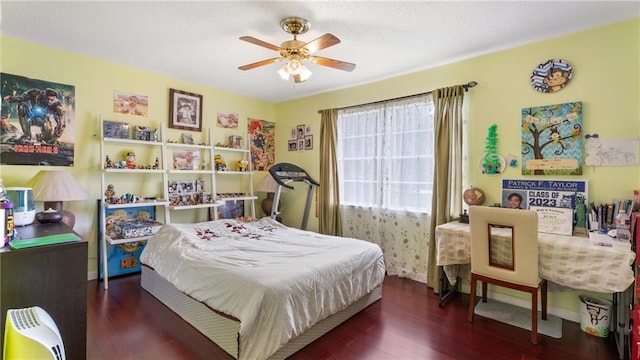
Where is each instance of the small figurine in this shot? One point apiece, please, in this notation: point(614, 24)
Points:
point(131, 160)
point(242, 165)
point(108, 164)
point(221, 165)
point(109, 194)
point(156, 166)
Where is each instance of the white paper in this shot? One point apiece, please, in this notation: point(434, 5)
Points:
point(554, 220)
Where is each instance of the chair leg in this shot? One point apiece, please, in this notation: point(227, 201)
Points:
point(543, 292)
point(472, 297)
point(534, 317)
point(484, 291)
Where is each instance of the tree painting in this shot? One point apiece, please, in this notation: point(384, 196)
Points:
point(552, 139)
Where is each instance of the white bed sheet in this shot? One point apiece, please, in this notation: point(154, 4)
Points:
point(277, 281)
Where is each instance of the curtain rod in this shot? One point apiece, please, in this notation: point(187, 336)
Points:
point(466, 87)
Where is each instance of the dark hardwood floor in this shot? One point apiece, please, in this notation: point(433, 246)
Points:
point(125, 322)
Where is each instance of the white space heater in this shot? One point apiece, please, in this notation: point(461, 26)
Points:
point(30, 333)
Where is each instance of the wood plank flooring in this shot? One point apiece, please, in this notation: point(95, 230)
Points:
point(126, 322)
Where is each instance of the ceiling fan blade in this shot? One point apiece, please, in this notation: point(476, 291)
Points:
point(322, 42)
point(342, 65)
point(258, 42)
point(260, 63)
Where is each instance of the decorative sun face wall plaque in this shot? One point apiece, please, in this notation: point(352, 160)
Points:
point(551, 76)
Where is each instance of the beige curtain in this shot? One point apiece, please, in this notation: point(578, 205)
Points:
point(330, 221)
point(447, 177)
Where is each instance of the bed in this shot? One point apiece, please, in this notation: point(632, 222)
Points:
point(260, 290)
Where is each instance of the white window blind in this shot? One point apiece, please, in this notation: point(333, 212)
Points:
point(385, 154)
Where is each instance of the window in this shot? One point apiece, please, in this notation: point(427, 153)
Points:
point(385, 154)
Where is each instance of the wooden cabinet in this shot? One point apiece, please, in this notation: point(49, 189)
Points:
point(53, 277)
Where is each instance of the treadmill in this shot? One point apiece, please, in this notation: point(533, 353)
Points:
point(285, 173)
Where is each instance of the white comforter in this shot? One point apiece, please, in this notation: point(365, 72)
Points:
point(277, 281)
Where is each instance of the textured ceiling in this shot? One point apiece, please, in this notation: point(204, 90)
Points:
point(197, 41)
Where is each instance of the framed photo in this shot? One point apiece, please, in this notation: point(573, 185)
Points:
point(185, 110)
point(293, 145)
point(300, 144)
point(308, 130)
point(308, 142)
point(187, 139)
point(115, 129)
point(186, 160)
point(133, 104)
point(300, 130)
point(227, 120)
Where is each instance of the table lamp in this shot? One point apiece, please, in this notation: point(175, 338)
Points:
point(269, 186)
point(53, 187)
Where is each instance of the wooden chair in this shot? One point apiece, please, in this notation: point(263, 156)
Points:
point(510, 259)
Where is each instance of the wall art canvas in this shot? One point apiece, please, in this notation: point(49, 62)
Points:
point(130, 104)
point(552, 139)
point(262, 143)
point(227, 120)
point(38, 122)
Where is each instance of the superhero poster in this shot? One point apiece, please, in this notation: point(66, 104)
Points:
point(262, 136)
point(37, 125)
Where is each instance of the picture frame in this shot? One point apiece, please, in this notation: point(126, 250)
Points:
point(185, 110)
point(227, 120)
point(187, 139)
point(130, 104)
point(293, 145)
point(300, 144)
point(300, 130)
point(308, 142)
point(186, 160)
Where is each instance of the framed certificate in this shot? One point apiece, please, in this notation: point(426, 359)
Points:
point(553, 220)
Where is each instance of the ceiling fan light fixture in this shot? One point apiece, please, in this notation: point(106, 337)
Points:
point(294, 67)
point(283, 73)
point(305, 73)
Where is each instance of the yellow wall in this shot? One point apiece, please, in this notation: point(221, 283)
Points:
point(95, 82)
point(606, 79)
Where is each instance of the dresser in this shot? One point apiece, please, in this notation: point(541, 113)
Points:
point(53, 277)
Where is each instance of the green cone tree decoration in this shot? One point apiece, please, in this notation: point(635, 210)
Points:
point(491, 160)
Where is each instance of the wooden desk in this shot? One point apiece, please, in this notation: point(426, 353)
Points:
point(53, 277)
point(565, 260)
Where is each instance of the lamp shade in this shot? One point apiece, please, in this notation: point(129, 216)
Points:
point(56, 185)
point(267, 184)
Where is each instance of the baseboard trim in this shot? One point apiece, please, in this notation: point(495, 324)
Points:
point(92, 275)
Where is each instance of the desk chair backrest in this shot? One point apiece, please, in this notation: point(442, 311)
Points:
point(518, 228)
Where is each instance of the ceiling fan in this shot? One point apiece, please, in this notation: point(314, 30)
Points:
point(294, 51)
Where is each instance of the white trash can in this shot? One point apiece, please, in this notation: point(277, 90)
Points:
point(595, 315)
